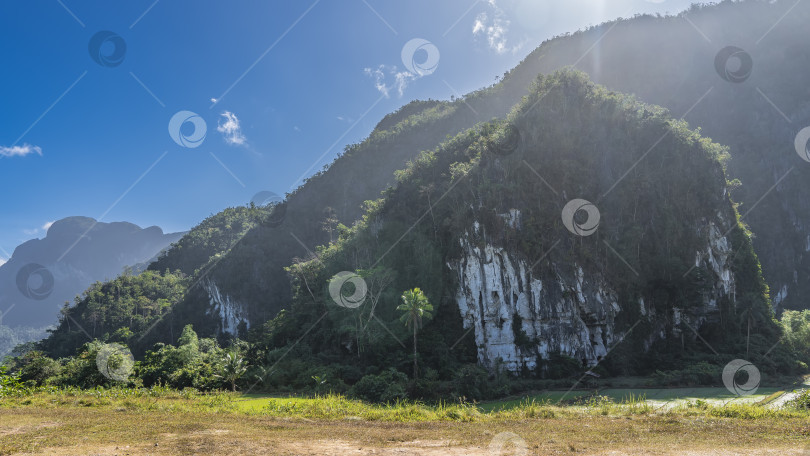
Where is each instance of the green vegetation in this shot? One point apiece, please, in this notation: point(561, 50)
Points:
point(214, 236)
point(316, 346)
point(121, 310)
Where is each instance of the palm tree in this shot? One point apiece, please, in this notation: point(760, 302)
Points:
point(750, 315)
point(233, 368)
point(417, 308)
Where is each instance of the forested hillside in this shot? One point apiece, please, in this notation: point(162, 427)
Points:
point(247, 283)
point(490, 205)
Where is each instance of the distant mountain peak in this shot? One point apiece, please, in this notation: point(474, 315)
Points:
point(75, 252)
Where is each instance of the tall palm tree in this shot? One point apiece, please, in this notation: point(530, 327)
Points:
point(417, 309)
point(233, 368)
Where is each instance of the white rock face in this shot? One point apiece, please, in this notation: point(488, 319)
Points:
point(777, 300)
point(572, 316)
point(570, 313)
point(717, 254)
point(228, 311)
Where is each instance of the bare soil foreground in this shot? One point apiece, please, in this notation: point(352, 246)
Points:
point(76, 430)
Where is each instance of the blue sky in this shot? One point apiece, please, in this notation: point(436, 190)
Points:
point(281, 86)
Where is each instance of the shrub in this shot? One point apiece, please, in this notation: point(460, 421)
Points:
point(388, 386)
point(800, 402)
point(36, 367)
point(702, 373)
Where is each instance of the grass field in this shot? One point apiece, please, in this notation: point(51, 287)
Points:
point(162, 422)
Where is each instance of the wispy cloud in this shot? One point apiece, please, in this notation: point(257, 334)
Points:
point(3, 261)
point(37, 231)
point(19, 151)
point(399, 80)
point(495, 27)
point(231, 129)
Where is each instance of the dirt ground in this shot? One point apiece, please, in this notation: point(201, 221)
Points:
point(77, 431)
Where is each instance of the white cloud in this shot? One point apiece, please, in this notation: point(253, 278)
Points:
point(231, 129)
point(495, 28)
point(3, 261)
point(400, 81)
point(19, 151)
point(37, 231)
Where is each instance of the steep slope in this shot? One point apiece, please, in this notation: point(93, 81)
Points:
point(678, 62)
point(500, 251)
point(42, 274)
point(249, 284)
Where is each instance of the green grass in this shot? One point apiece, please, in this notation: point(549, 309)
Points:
point(715, 402)
point(656, 397)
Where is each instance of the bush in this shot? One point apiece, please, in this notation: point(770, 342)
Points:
point(560, 366)
point(35, 367)
point(473, 382)
point(800, 402)
point(10, 384)
point(388, 386)
point(702, 373)
point(82, 370)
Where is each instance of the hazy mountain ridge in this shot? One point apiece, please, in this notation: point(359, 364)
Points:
point(42, 274)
